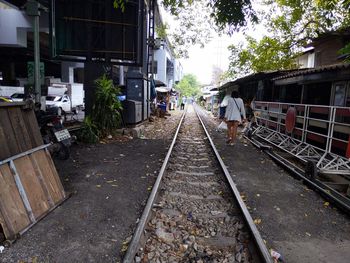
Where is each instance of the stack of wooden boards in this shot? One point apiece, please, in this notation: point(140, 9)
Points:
point(29, 184)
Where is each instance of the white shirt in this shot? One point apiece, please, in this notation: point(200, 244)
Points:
point(233, 113)
point(224, 101)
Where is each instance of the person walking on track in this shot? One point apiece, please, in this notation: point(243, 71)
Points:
point(235, 114)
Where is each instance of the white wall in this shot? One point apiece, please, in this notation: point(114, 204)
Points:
point(9, 90)
point(160, 57)
point(14, 25)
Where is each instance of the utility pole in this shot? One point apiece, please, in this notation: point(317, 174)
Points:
point(32, 9)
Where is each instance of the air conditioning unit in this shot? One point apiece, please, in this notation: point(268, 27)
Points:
point(132, 112)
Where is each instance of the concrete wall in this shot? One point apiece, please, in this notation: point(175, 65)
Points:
point(160, 58)
point(14, 25)
point(67, 70)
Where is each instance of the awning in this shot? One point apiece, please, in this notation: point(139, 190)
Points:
point(159, 83)
point(163, 89)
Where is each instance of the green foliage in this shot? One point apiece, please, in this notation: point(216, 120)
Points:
point(264, 55)
point(106, 109)
point(232, 14)
point(227, 14)
point(105, 117)
point(89, 132)
point(291, 25)
point(162, 30)
point(198, 19)
point(120, 4)
point(188, 86)
point(346, 51)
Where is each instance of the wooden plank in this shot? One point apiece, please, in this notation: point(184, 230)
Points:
point(32, 128)
point(4, 229)
point(19, 129)
point(15, 217)
point(56, 177)
point(4, 150)
point(46, 176)
point(32, 186)
point(11, 104)
point(8, 134)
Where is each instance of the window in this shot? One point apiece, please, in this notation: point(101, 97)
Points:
point(339, 94)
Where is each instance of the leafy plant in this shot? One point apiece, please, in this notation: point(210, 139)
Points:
point(161, 30)
point(106, 110)
point(89, 133)
point(346, 51)
point(188, 86)
point(120, 4)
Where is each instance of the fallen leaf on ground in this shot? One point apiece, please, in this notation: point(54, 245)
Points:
point(308, 234)
point(98, 185)
point(257, 221)
point(326, 204)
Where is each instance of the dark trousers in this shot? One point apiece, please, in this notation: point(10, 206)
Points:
point(182, 107)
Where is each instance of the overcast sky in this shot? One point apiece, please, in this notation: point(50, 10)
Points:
point(202, 60)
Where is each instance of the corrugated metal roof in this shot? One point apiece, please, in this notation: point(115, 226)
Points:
point(314, 70)
point(254, 76)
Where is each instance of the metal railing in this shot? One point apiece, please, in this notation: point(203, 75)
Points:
point(321, 133)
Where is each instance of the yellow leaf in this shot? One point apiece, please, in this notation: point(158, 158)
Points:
point(98, 185)
point(257, 221)
point(326, 204)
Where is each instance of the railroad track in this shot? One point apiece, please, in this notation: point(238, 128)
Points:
point(296, 168)
point(194, 212)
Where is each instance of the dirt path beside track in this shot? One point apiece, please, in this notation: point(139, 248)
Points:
point(295, 220)
point(110, 182)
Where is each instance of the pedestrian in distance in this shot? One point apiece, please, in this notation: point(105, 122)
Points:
point(234, 115)
point(182, 107)
point(183, 101)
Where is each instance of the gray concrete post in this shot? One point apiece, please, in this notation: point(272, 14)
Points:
point(32, 9)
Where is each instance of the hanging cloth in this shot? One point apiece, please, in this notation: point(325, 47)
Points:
point(153, 89)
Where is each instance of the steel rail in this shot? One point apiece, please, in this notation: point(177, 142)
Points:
point(264, 253)
point(134, 244)
point(329, 193)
